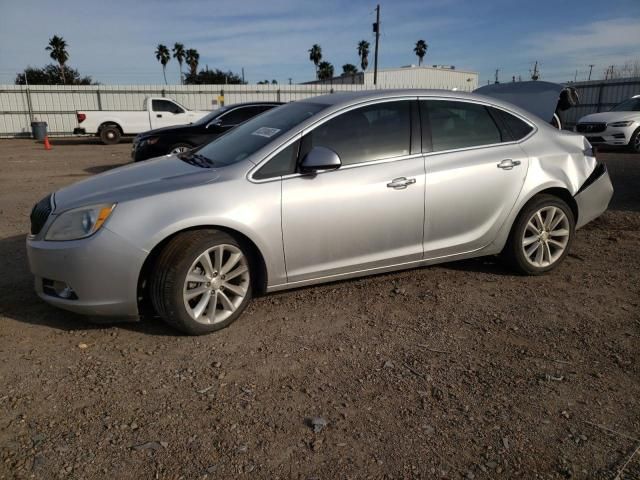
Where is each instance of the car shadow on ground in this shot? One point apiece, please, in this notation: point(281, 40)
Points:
point(102, 168)
point(18, 300)
point(81, 141)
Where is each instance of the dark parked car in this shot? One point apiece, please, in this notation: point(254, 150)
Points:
point(178, 139)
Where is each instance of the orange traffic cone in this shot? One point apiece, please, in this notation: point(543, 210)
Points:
point(47, 145)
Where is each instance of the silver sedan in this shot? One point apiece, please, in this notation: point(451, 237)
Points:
point(330, 188)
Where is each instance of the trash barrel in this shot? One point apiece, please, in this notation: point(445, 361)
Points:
point(39, 130)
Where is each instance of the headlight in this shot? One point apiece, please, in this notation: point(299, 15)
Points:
point(621, 124)
point(79, 222)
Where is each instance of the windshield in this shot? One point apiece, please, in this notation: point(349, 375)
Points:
point(631, 105)
point(207, 118)
point(254, 134)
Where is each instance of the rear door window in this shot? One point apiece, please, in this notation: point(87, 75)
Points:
point(455, 124)
point(241, 115)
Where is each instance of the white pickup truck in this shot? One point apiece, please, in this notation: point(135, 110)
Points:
point(157, 112)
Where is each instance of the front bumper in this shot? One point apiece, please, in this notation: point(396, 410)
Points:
point(143, 151)
point(102, 270)
point(612, 136)
point(594, 196)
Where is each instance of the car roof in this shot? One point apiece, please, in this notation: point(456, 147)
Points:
point(338, 100)
point(249, 104)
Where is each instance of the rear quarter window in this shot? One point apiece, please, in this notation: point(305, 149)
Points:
point(515, 127)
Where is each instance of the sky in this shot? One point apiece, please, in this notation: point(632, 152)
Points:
point(114, 41)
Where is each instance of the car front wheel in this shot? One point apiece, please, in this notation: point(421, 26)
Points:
point(541, 236)
point(201, 281)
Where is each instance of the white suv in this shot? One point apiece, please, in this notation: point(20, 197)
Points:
point(618, 127)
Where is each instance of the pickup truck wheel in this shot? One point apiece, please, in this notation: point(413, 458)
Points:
point(179, 148)
point(201, 281)
point(110, 134)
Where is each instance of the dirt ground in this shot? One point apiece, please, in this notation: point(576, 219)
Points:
point(457, 371)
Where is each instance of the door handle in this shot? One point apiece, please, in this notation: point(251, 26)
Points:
point(159, 115)
point(508, 164)
point(401, 183)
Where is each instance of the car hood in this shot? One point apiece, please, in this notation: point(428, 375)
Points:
point(133, 181)
point(608, 117)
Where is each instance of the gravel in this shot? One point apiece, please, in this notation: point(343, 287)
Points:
point(461, 370)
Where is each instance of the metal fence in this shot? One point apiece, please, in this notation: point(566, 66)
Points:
point(599, 96)
point(57, 105)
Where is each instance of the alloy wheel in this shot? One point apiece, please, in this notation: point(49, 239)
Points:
point(546, 236)
point(217, 284)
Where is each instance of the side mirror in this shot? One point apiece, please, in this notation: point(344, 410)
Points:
point(215, 123)
point(320, 159)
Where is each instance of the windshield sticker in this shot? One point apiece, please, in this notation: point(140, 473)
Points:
point(266, 132)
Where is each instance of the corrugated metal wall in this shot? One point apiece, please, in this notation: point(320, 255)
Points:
point(599, 96)
point(57, 105)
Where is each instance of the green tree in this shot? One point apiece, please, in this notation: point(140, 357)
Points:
point(58, 51)
point(363, 53)
point(52, 75)
point(315, 55)
point(213, 77)
point(163, 56)
point(192, 57)
point(325, 71)
point(349, 69)
point(420, 50)
point(179, 54)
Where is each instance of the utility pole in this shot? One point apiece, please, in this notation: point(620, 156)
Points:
point(376, 30)
point(535, 75)
point(289, 80)
point(242, 74)
point(575, 77)
point(497, 81)
point(590, 70)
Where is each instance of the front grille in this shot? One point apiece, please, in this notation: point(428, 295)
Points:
point(39, 214)
point(591, 127)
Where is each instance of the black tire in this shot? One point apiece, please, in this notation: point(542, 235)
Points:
point(514, 252)
point(179, 145)
point(169, 275)
point(110, 134)
point(634, 144)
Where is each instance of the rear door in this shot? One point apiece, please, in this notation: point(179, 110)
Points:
point(475, 172)
point(369, 213)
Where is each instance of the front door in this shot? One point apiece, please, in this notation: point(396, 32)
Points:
point(368, 213)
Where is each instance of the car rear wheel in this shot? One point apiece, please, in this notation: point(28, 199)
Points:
point(179, 148)
point(110, 134)
point(541, 236)
point(201, 281)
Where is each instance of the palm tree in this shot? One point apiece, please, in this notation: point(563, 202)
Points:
point(192, 56)
point(179, 54)
point(349, 69)
point(363, 53)
point(58, 48)
point(163, 56)
point(420, 50)
point(315, 55)
point(325, 71)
